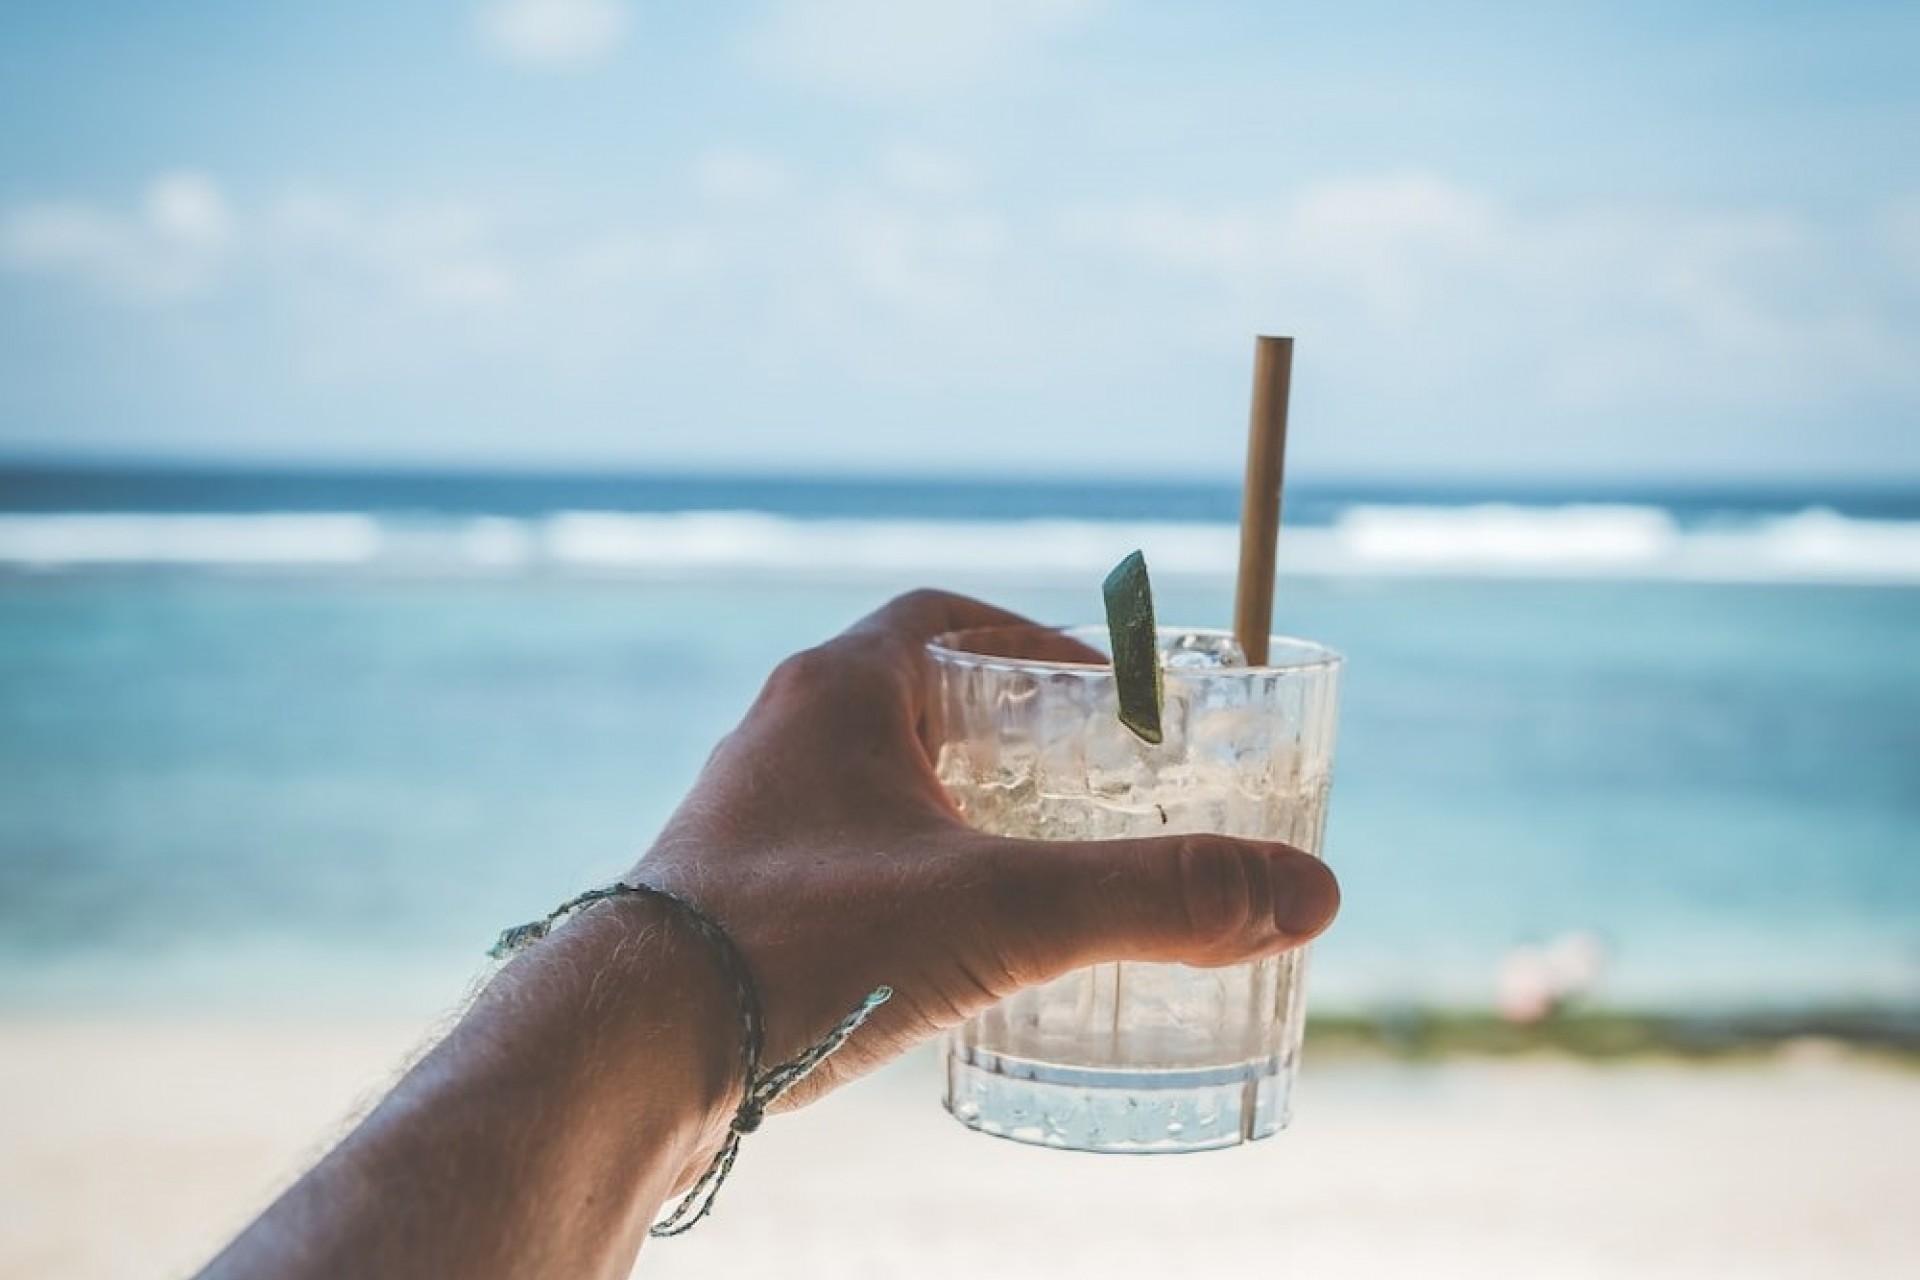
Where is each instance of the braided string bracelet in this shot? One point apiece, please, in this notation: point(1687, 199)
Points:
point(762, 1088)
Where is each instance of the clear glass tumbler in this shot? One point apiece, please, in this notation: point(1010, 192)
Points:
point(1135, 1057)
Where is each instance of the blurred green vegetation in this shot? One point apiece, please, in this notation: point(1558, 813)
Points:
point(1412, 1034)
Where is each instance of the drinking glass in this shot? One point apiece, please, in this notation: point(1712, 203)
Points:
point(1135, 1057)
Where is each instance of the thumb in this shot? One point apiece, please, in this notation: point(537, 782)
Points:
point(1197, 899)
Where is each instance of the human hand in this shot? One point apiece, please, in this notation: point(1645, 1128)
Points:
point(529, 1142)
point(820, 837)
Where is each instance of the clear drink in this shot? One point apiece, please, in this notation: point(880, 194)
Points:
point(1136, 1057)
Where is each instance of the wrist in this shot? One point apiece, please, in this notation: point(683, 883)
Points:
point(671, 1003)
point(649, 1026)
point(704, 1101)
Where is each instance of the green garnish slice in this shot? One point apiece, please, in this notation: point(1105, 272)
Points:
point(1136, 647)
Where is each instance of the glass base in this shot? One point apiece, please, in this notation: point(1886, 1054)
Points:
point(1113, 1111)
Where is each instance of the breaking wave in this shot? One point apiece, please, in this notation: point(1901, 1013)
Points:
point(1489, 540)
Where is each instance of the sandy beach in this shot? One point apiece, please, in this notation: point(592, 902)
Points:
point(130, 1147)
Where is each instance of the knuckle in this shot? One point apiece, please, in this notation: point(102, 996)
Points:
point(803, 672)
point(920, 601)
point(915, 616)
point(835, 672)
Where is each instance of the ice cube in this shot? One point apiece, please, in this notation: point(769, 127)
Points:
point(1195, 651)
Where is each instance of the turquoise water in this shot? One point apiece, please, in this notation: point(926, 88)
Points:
point(330, 789)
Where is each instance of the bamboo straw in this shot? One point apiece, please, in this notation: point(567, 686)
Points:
point(1260, 502)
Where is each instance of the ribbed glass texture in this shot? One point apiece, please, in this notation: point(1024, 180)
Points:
point(1136, 1057)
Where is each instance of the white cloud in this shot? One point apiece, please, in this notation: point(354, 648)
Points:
point(552, 33)
point(188, 209)
point(172, 248)
point(445, 257)
point(352, 294)
point(1898, 230)
point(1372, 238)
point(58, 237)
point(1422, 304)
point(731, 174)
point(906, 47)
point(924, 171)
point(913, 261)
point(1439, 293)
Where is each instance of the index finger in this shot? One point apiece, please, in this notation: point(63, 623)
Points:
point(927, 615)
point(896, 635)
point(919, 616)
point(903, 628)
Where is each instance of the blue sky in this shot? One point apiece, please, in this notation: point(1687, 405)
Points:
point(1009, 235)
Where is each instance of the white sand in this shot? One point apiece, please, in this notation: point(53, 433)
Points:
point(130, 1148)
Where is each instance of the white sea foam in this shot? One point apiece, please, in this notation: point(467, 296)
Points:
point(1627, 542)
point(701, 543)
point(1500, 538)
point(1815, 545)
point(1576, 541)
point(62, 541)
point(491, 542)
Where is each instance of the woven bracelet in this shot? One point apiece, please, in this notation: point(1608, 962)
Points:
point(762, 1088)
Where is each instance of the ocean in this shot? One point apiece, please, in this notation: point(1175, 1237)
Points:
point(308, 739)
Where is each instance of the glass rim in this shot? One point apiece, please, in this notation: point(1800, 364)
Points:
point(1314, 656)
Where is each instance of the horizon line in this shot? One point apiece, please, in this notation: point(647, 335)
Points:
point(535, 469)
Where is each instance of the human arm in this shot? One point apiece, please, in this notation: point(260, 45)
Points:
point(594, 1076)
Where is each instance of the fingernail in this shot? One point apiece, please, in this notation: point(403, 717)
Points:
point(1307, 898)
